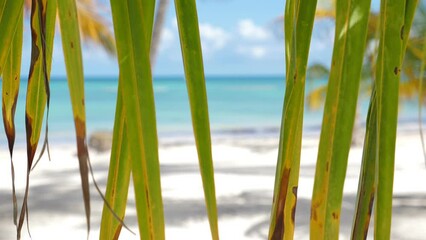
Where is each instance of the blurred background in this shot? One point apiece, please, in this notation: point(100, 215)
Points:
point(243, 54)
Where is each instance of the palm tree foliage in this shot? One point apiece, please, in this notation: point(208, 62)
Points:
point(135, 147)
point(410, 78)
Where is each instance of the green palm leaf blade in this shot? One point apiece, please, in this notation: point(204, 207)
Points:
point(367, 184)
point(70, 35)
point(393, 36)
point(11, 80)
point(2, 6)
point(298, 24)
point(43, 16)
point(118, 176)
point(10, 12)
point(339, 115)
point(120, 161)
point(10, 90)
point(186, 12)
point(131, 35)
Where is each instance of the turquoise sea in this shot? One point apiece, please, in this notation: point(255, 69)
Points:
point(239, 106)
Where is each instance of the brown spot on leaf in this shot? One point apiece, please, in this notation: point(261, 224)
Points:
point(279, 226)
point(314, 209)
point(327, 166)
point(396, 70)
point(9, 127)
point(72, 45)
point(370, 210)
point(314, 214)
point(335, 215)
point(31, 148)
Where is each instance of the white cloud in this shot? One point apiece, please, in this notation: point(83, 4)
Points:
point(250, 31)
point(213, 38)
point(167, 39)
point(256, 52)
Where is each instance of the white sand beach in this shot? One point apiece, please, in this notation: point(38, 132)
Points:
point(245, 170)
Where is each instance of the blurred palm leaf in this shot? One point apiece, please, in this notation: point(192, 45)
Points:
point(94, 27)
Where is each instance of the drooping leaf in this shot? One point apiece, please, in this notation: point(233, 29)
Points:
point(43, 16)
point(339, 116)
point(395, 21)
point(10, 90)
point(298, 24)
point(10, 12)
point(132, 31)
point(187, 20)
point(70, 35)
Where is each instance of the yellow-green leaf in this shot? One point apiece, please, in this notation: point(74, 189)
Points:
point(298, 24)
point(394, 28)
point(187, 20)
point(70, 35)
point(10, 90)
point(10, 12)
point(339, 115)
point(118, 176)
point(43, 16)
point(132, 41)
point(120, 161)
point(367, 180)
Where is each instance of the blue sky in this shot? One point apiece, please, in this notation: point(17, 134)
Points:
point(239, 37)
